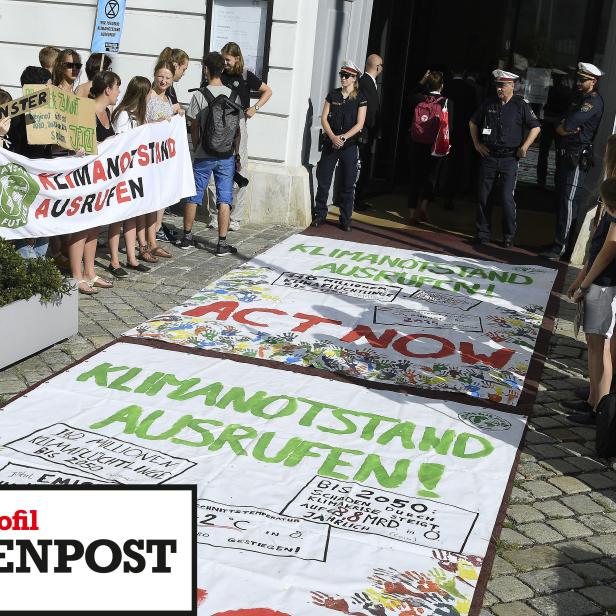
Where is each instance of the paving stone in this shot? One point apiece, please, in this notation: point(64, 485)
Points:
point(533, 437)
point(533, 470)
point(570, 528)
point(579, 551)
point(536, 557)
point(489, 599)
point(544, 452)
point(607, 499)
point(565, 604)
point(598, 481)
point(509, 588)
point(552, 580)
point(519, 496)
point(582, 503)
point(510, 537)
point(524, 513)
point(514, 609)
point(569, 485)
point(563, 434)
point(559, 466)
point(577, 449)
point(554, 508)
point(603, 595)
point(540, 532)
point(501, 567)
point(605, 543)
point(599, 523)
point(545, 422)
point(593, 572)
point(541, 489)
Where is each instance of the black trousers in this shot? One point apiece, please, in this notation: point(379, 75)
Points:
point(571, 195)
point(365, 162)
point(423, 173)
point(348, 161)
point(505, 170)
point(546, 138)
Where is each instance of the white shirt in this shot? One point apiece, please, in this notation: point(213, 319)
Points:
point(373, 79)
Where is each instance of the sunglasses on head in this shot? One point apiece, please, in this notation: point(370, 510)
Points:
point(344, 75)
point(73, 65)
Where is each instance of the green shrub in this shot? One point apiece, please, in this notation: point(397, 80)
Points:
point(23, 278)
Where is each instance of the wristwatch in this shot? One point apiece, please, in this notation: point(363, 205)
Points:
point(256, 106)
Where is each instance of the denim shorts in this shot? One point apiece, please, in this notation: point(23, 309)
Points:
point(32, 248)
point(223, 170)
point(599, 307)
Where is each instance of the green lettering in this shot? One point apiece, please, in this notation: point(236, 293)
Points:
point(119, 382)
point(372, 466)
point(441, 445)
point(129, 416)
point(259, 450)
point(100, 373)
point(333, 460)
point(232, 435)
point(459, 449)
point(210, 393)
point(258, 410)
point(349, 426)
point(207, 438)
point(404, 431)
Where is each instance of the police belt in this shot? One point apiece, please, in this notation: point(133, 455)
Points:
point(500, 152)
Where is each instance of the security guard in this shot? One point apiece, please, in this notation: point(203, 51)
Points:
point(574, 156)
point(497, 129)
point(343, 117)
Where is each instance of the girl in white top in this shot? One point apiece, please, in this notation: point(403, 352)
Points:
point(129, 114)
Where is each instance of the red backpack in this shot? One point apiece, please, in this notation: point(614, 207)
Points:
point(427, 120)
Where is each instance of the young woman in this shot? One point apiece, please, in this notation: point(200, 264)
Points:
point(342, 119)
point(159, 108)
point(178, 58)
point(82, 245)
point(94, 64)
point(66, 70)
point(243, 82)
point(129, 114)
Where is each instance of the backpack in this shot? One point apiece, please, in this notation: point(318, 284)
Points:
point(442, 145)
point(606, 426)
point(221, 124)
point(427, 120)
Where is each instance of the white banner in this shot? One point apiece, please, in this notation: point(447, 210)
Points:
point(373, 312)
point(313, 495)
point(140, 171)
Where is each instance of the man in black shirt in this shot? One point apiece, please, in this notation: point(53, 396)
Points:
point(497, 130)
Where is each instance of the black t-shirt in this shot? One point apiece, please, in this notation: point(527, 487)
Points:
point(343, 112)
point(102, 132)
point(18, 137)
point(607, 278)
point(242, 86)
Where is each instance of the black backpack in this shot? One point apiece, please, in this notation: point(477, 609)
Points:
point(221, 124)
point(606, 426)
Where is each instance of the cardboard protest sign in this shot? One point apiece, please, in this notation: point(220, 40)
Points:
point(140, 171)
point(314, 495)
point(25, 104)
point(372, 312)
point(67, 120)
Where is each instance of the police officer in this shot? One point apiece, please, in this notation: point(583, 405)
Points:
point(574, 136)
point(343, 117)
point(497, 130)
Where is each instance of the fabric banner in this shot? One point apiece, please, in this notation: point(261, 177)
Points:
point(108, 26)
point(140, 171)
point(378, 313)
point(314, 495)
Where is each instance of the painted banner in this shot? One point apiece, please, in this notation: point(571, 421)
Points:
point(140, 171)
point(108, 26)
point(372, 312)
point(66, 120)
point(314, 496)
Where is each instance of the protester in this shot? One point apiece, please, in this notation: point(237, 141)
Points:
point(243, 81)
point(66, 70)
point(342, 119)
point(159, 108)
point(426, 106)
point(47, 57)
point(497, 129)
point(574, 157)
point(207, 162)
point(5, 123)
point(178, 58)
point(595, 285)
point(82, 244)
point(369, 135)
point(129, 114)
point(96, 63)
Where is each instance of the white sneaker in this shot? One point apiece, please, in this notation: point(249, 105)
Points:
point(234, 225)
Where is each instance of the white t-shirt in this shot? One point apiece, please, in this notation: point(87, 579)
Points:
point(198, 111)
point(124, 122)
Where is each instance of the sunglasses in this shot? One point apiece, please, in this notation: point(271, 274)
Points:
point(344, 75)
point(583, 79)
point(73, 65)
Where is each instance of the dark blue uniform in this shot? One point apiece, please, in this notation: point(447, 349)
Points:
point(342, 117)
point(573, 157)
point(501, 129)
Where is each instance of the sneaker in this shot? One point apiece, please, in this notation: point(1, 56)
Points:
point(187, 242)
point(584, 419)
point(222, 250)
point(576, 406)
point(160, 236)
point(234, 226)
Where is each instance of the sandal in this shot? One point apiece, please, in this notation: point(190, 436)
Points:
point(140, 267)
point(84, 286)
point(97, 281)
point(160, 252)
point(146, 255)
point(117, 272)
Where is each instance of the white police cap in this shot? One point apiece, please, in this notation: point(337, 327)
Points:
point(586, 69)
point(500, 75)
point(351, 67)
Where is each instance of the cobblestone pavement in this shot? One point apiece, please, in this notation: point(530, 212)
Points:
point(556, 555)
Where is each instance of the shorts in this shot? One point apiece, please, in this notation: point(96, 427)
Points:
point(32, 248)
point(599, 307)
point(223, 170)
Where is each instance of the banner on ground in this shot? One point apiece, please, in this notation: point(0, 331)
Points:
point(370, 502)
point(372, 312)
point(140, 171)
point(108, 26)
point(66, 120)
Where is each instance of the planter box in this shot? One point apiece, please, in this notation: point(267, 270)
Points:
point(28, 326)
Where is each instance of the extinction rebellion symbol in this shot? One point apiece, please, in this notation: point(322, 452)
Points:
point(17, 192)
point(484, 421)
point(112, 8)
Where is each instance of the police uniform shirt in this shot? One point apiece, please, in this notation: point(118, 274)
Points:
point(585, 114)
point(503, 125)
point(343, 111)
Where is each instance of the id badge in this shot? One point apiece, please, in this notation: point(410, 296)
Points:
point(486, 131)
